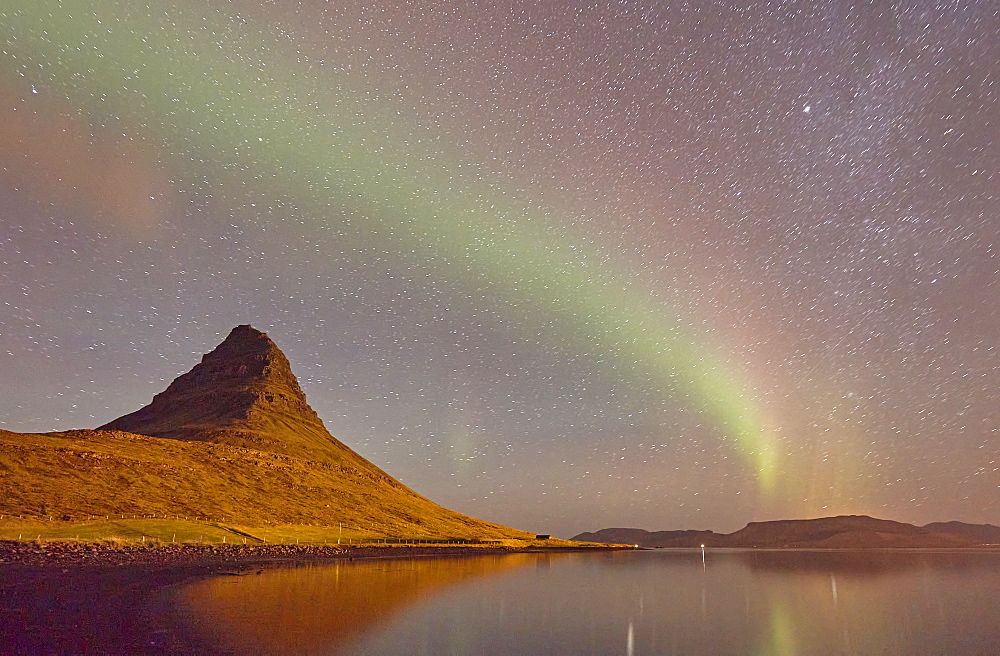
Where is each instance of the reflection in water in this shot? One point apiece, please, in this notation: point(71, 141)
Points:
point(665, 602)
point(864, 563)
point(322, 608)
point(656, 602)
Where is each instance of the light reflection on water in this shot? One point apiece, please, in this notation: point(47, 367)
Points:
point(654, 602)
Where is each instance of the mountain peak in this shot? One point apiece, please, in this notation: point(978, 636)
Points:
point(246, 336)
point(247, 358)
point(247, 340)
point(243, 393)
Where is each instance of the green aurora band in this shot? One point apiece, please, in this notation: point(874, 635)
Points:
point(212, 86)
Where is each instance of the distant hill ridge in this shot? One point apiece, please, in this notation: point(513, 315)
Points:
point(843, 531)
point(233, 437)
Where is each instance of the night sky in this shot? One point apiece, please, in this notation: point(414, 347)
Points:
point(559, 265)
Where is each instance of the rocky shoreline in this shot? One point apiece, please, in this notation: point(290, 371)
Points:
point(71, 553)
point(66, 553)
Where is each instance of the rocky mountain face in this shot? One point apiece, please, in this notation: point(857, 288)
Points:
point(241, 394)
point(845, 531)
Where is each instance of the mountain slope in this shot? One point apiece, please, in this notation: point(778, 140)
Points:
point(82, 473)
point(985, 533)
point(233, 438)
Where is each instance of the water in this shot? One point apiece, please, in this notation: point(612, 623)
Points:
point(630, 603)
point(633, 603)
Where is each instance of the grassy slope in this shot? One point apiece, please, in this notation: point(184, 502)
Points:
point(178, 530)
point(107, 473)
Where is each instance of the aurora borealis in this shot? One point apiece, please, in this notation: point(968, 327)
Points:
point(667, 265)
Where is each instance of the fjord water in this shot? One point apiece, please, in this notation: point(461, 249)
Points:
point(646, 602)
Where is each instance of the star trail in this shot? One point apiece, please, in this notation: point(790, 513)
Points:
point(561, 266)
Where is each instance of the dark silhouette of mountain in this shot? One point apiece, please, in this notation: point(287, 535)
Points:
point(235, 438)
point(645, 538)
point(983, 533)
point(842, 532)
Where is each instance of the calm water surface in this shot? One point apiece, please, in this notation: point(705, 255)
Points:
point(633, 603)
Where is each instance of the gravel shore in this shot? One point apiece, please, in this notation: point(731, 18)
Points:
point(70, 553)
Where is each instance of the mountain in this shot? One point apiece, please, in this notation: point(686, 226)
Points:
point(841, 532)
point(845, 531)
point(984, 533)
point(652, 539)
point(233, 438)
point(242, 394)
